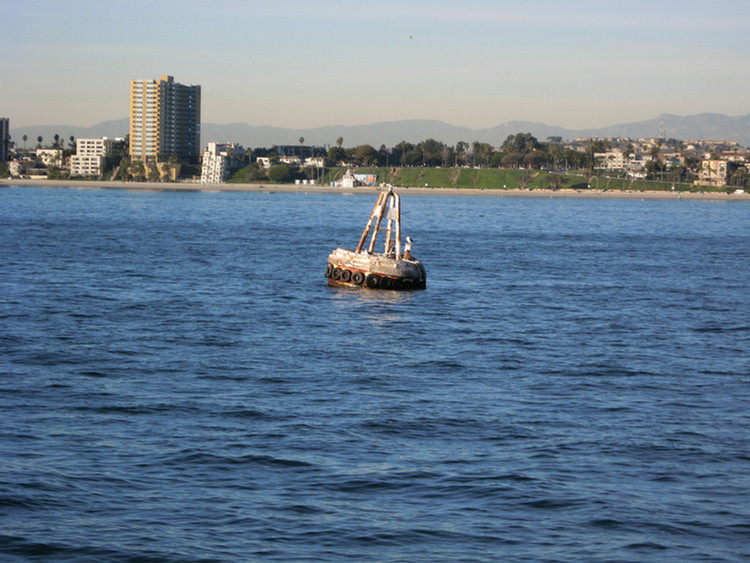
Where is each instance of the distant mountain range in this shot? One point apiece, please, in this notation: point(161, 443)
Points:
point(705, 126)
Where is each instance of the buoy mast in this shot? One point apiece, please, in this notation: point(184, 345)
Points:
point(392, 201)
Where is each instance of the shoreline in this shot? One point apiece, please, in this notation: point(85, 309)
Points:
point(308, 188)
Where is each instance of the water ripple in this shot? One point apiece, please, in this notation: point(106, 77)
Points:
point(180, 385)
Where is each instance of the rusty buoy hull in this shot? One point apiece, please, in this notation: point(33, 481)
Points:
point(374, 271)
point(395, 268)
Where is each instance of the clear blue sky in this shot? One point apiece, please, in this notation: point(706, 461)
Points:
point(306, 63)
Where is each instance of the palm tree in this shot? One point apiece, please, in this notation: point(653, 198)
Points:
point(461, 147)
point(25, 138)
point(173, 161)
point(475, 146)
point(39, 140)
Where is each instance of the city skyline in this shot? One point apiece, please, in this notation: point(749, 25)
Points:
point(474, 64)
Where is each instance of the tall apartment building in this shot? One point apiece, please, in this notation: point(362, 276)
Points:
point(4, 138)
point(165, 119)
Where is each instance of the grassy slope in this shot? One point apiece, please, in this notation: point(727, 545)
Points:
point(511, 179)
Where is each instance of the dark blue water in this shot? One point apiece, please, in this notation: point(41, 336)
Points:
point(178, 383)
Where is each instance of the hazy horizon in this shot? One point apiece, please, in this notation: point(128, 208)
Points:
point(334, 125)
point(477, 64)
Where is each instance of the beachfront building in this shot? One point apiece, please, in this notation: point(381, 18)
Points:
point(90, 156)
point(50, 157)
point(713, 172)
point(616, 160)
point(635, 165)
point(219, 159)
point(17, 168)
point(86, 165)
point(291, 160)
point(349, 180)
point(165, 120)
point(315, 162)
point(264, 162)
point(610, 160)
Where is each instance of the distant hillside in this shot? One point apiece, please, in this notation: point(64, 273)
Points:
point(706, 126)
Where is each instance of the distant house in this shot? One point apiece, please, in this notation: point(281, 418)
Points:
point(50, 157)
point(635, 166)
point(610, 160)
point(672, 159)
point(90, 156)
point(350, 180)
point(737, 157)
point(713, 172)
point(315, 162)
point(291, 160)
point(219, 159)
point(263, 162)
point(16, 168)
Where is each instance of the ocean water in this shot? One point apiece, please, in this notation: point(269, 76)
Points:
point(179, 384)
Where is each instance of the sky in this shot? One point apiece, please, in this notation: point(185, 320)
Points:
point(311, 63)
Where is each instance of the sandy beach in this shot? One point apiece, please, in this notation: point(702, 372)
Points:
point(308, 188)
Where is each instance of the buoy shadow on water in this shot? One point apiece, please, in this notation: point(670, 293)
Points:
point(348, 294)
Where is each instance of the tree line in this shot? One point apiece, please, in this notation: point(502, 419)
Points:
point(522, 150)
point(519, 151)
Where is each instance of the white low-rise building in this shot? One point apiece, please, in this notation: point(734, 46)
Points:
point(610, 160)
point(291, 160)
point(86, 165)
point(94, 147)
point(90, 156)
point(315, 162)
point(635, 165)
point(16, 168)
point(219, 159)
point(50, 157)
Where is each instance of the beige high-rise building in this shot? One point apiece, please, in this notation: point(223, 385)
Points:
point(165, 119)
